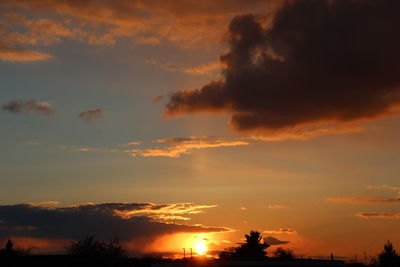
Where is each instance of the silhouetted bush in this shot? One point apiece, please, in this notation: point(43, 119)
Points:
point(90, 247)
point(284, 254)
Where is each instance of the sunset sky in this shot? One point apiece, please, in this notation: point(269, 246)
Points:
point(184, 123)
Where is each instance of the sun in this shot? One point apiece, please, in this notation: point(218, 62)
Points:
point(200, 247)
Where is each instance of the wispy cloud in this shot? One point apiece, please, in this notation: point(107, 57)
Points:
point(21, 55)
point(363, 199)
point(20, 106)
point(202, 69)
point(91, 114)
point(289, 231)
point(134, 143)
point(383, 186)
point(185, 147)
point(276, 206)
point(378, 215)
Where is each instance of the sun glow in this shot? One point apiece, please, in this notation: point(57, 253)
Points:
point(200, 247)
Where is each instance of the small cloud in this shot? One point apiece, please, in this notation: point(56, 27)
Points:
point(181, 139)
point(289, 231)
point(272, 241)
point(383, 186)
point(157, 98)
point(363, 200)
point(19, 106)
point(202, 69)
point(33, 143)
point(378, 215)
point(135, 143)
point(19, 55)
point(91, 114)
point(242, 208)
point(275, 206)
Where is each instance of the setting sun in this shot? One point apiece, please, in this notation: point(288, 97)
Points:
point(200, 247)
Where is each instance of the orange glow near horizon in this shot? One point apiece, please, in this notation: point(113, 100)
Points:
point(200, 247)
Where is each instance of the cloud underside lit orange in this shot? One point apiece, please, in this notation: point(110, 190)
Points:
point(129, 222)
point(12, 54)
point(187, 24)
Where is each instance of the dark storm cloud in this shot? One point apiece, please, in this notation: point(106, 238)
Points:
point(91, 114)
point(127, 221)
point(317, 61)
point(18, 106)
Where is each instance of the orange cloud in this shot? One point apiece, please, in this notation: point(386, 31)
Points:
point(289, 231)
point(185, 147)
point(363, 199)
point(202, 69)
point(378, 215)
point(275, 206)
point(183, 23)
point(14, 54)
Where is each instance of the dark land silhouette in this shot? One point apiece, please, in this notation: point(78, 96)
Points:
point(92, 252)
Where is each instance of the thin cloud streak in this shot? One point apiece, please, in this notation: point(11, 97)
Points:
point(378, 215)
point(288, 231)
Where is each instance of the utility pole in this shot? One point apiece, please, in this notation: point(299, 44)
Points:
point(365, 257)
point(184, 253)
point(191, 253)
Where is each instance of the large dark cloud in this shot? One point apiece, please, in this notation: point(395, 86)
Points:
point(316, 61)
point(126, 221)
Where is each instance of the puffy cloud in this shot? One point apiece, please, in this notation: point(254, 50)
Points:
point(379, 215)
point(318, 61)
point(289, 231)
point(127, 221)
point(18, 106)
point(91, 114)
point(272, 241)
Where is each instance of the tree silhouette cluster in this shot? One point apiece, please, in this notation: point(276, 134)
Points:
point(252, 249)
point(9, 250)
point(389, 257)
point(284, 254)
point(90, 247)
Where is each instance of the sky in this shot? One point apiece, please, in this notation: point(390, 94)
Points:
point(173, 124)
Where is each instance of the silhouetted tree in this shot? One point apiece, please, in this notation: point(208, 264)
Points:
point(284, 254)
point(388, 257)
point(90, 247)
point(9, 250)
point(252, 249)
point(9, 245)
